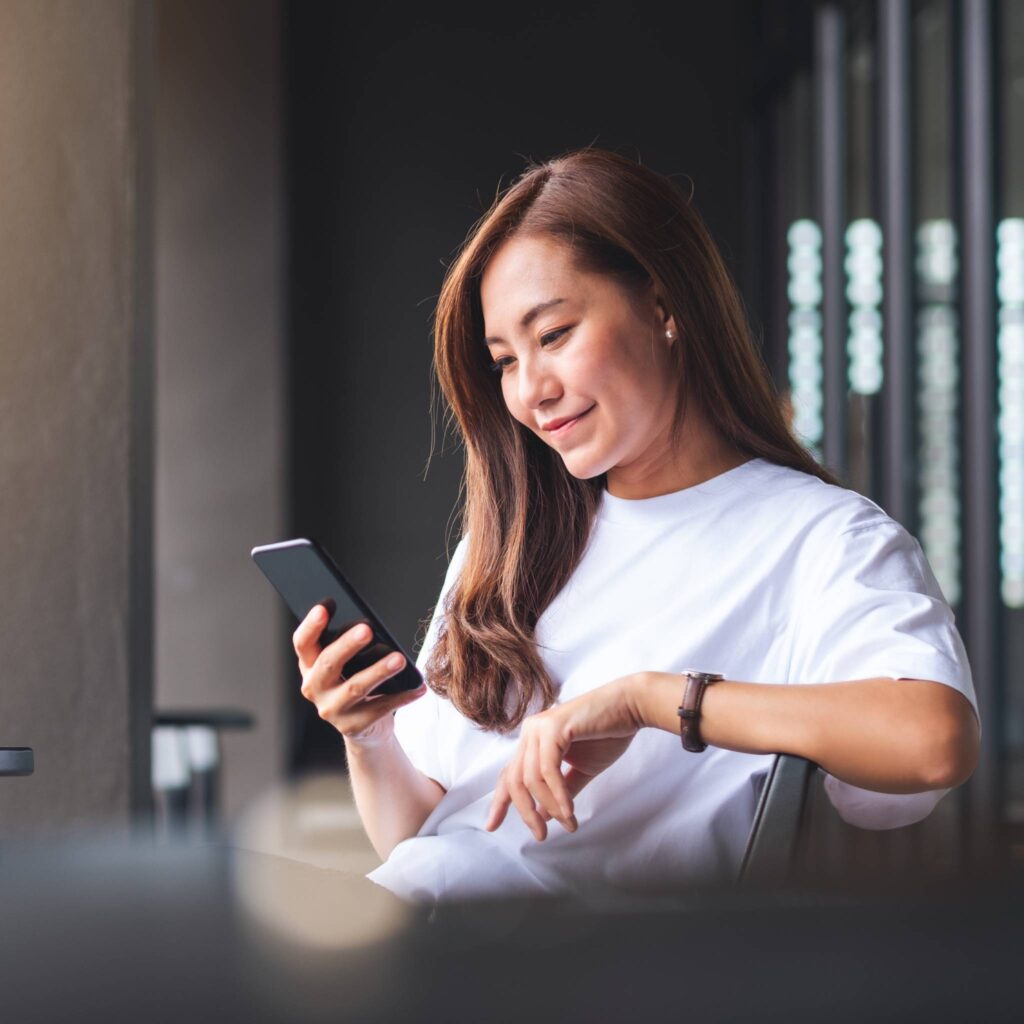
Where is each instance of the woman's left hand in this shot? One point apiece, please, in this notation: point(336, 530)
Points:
point(588, 733)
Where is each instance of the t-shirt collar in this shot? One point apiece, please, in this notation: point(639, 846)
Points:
point(676, 504)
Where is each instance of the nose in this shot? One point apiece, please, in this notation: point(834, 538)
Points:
point(536, 382)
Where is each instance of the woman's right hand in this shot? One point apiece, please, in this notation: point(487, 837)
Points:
point(344, 702)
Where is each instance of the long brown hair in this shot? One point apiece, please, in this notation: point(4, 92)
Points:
point(527, 517)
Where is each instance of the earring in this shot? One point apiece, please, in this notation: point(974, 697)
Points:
point(670, 334)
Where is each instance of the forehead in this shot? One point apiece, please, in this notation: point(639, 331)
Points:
point(524, 271)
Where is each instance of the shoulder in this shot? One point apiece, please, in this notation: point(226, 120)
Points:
point(817, 508)
point(456, 562)
point(459, 554)
point(828, 532)
point(456, 559)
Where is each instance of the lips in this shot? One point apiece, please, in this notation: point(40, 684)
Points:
point(557, 425)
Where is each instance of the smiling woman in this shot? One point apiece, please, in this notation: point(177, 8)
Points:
point(605, 351)
point(594, 286)
point(656, 588)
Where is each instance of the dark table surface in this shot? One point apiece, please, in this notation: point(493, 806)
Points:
point(133, 931)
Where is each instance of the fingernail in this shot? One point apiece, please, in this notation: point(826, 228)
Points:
point(394, 661)
point(362, 632)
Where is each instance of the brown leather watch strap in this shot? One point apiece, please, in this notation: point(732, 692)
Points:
point(689, 710)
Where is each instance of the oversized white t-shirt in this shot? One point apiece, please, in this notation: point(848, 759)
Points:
point(762, 573)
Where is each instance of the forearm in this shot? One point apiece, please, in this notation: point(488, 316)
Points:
point(872, 733)
point(392, 796)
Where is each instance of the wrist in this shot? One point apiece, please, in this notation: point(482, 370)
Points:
point(656, 697)
point(368, 744)
point(649, 693)
point(632, 690)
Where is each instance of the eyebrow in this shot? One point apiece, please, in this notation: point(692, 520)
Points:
point(529, 317)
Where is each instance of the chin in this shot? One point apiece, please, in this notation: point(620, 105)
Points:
point(583, 469)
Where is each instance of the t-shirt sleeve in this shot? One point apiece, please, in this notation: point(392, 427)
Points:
point(875, 609)
point(418, 725)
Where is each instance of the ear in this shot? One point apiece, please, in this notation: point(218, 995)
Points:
point(666, 322)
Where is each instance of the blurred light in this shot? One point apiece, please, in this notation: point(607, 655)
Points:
point(938, 348)
point(805, 349)
point(298, 871)
point(1010, 346)
point(863, 266)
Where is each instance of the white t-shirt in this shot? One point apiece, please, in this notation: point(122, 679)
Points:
point(762, 573)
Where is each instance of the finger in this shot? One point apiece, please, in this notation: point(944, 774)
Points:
point(336, 710)
point(550, 760)
point(524, 804)
point(326, 670)
point(306, 637)
point(362, 684)
point(575, 780)
point(537, 787)
point(499, 805)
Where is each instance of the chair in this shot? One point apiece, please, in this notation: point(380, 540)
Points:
point(187, 766)
point(798, 839)
point(779, 820)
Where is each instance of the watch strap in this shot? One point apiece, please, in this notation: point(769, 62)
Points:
point(689, 710)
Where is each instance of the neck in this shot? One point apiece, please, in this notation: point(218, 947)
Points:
point(701, 454)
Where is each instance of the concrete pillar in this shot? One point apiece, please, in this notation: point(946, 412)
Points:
point(75, 411)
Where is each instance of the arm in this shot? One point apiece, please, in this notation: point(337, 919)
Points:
point(909, 736)
point(393, 797)
point(889, 736)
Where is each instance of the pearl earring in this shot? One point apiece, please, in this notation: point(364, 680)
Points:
point(670, 334)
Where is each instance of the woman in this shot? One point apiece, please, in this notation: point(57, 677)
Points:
point(635, 507)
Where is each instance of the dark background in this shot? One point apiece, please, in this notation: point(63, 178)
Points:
point(400, 130)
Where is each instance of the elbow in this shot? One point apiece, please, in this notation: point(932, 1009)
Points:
point(952, 752)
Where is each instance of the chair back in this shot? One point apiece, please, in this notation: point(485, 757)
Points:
point(770, 855)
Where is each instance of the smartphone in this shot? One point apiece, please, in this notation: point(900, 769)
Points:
point(305, 575)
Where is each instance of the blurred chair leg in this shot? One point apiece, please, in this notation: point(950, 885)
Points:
point(204, 763)
point(171, 808)
point(171, 778)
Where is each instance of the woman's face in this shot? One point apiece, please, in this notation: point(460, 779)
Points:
point(578, 344)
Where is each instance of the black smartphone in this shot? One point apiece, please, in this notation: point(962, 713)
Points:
point(305, 575)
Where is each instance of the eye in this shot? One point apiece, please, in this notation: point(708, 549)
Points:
point(553, 335)
point(498, 366)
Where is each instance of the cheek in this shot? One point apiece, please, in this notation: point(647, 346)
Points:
point(515, 409)
point(510, 400)
point(622, 391)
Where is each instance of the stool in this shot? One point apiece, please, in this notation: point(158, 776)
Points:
point(186, 767)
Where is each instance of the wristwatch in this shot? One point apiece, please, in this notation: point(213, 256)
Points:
point(689, 710)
